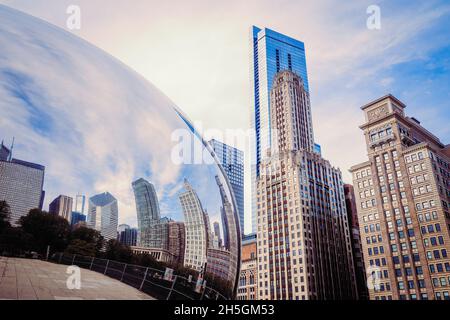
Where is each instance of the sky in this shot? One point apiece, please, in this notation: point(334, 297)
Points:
point(198, 54)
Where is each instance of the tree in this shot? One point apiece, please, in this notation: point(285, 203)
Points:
point(81, 247)
point(15, 240)
point(118, 252)
point(5, 214)
point(90, 237)
point(47, 230)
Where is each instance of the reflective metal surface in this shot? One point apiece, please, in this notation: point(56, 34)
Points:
point(105, 133)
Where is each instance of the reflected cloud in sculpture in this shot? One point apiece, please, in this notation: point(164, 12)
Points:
point(97, 126)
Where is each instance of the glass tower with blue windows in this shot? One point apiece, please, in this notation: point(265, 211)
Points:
point(272, 52)
point(232, 161)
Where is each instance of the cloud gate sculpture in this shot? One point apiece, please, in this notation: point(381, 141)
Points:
point(102, 133)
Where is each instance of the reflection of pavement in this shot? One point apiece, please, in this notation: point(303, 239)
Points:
point(22, 279)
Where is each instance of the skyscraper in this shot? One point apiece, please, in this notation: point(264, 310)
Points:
point(62, 206)
point(21, 184)
point(403, 202)
point(232, 161)
point(80, 201)
point(217, 234)
point(127, 235)
point(304, 245)
point(195, 226)
point(272, 52)
point(76, 218)
point(148, 214)
point(103, 214)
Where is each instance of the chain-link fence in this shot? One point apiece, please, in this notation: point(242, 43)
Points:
point(148, 280)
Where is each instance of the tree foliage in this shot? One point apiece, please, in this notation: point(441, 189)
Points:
point(89, 237)
point(5, 214)
point(47, 230)
point(118, 252)
point(81, 247)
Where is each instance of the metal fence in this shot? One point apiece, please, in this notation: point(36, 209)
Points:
point(148, 280)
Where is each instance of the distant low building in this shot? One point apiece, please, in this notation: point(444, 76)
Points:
point(159, 254)
point(248, 284)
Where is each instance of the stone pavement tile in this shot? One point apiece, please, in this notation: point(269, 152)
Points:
point(26, 294)
point(34, 279)
point(8, 293)
point(44, 294)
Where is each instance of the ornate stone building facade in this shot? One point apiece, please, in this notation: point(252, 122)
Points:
point(403, 195)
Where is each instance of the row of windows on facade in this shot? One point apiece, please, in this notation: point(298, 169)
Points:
point(424, 296)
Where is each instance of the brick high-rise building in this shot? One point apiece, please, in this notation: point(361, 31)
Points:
point(403, 195)
point(177, 238)
point(304, 244)
point(248, 279)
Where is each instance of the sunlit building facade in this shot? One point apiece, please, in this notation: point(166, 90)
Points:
point(150, 226)
point(195, 226)
point(272, 52)
point(103, 214)
point(303, 238)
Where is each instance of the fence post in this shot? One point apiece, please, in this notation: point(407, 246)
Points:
point(60, 257)
point(145, 276)
point(92, 262)
point(73, 260)
point(171, 289)
point(107, 264)
point(203, 293)
point(125, 268)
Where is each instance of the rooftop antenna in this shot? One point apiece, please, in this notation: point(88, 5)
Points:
point(11, 150)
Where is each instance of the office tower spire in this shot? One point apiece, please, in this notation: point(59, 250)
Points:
point(272, 52)
point(290, 114)
point(304, 245)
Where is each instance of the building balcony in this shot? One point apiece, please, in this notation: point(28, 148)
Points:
point(385, 139)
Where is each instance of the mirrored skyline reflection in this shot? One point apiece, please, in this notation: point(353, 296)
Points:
point(95, 124)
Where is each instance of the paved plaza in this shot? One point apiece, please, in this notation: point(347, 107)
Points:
point(22, 279)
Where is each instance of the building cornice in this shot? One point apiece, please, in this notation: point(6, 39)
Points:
point(360, 166)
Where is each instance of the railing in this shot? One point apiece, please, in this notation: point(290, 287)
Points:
point(148, 280)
